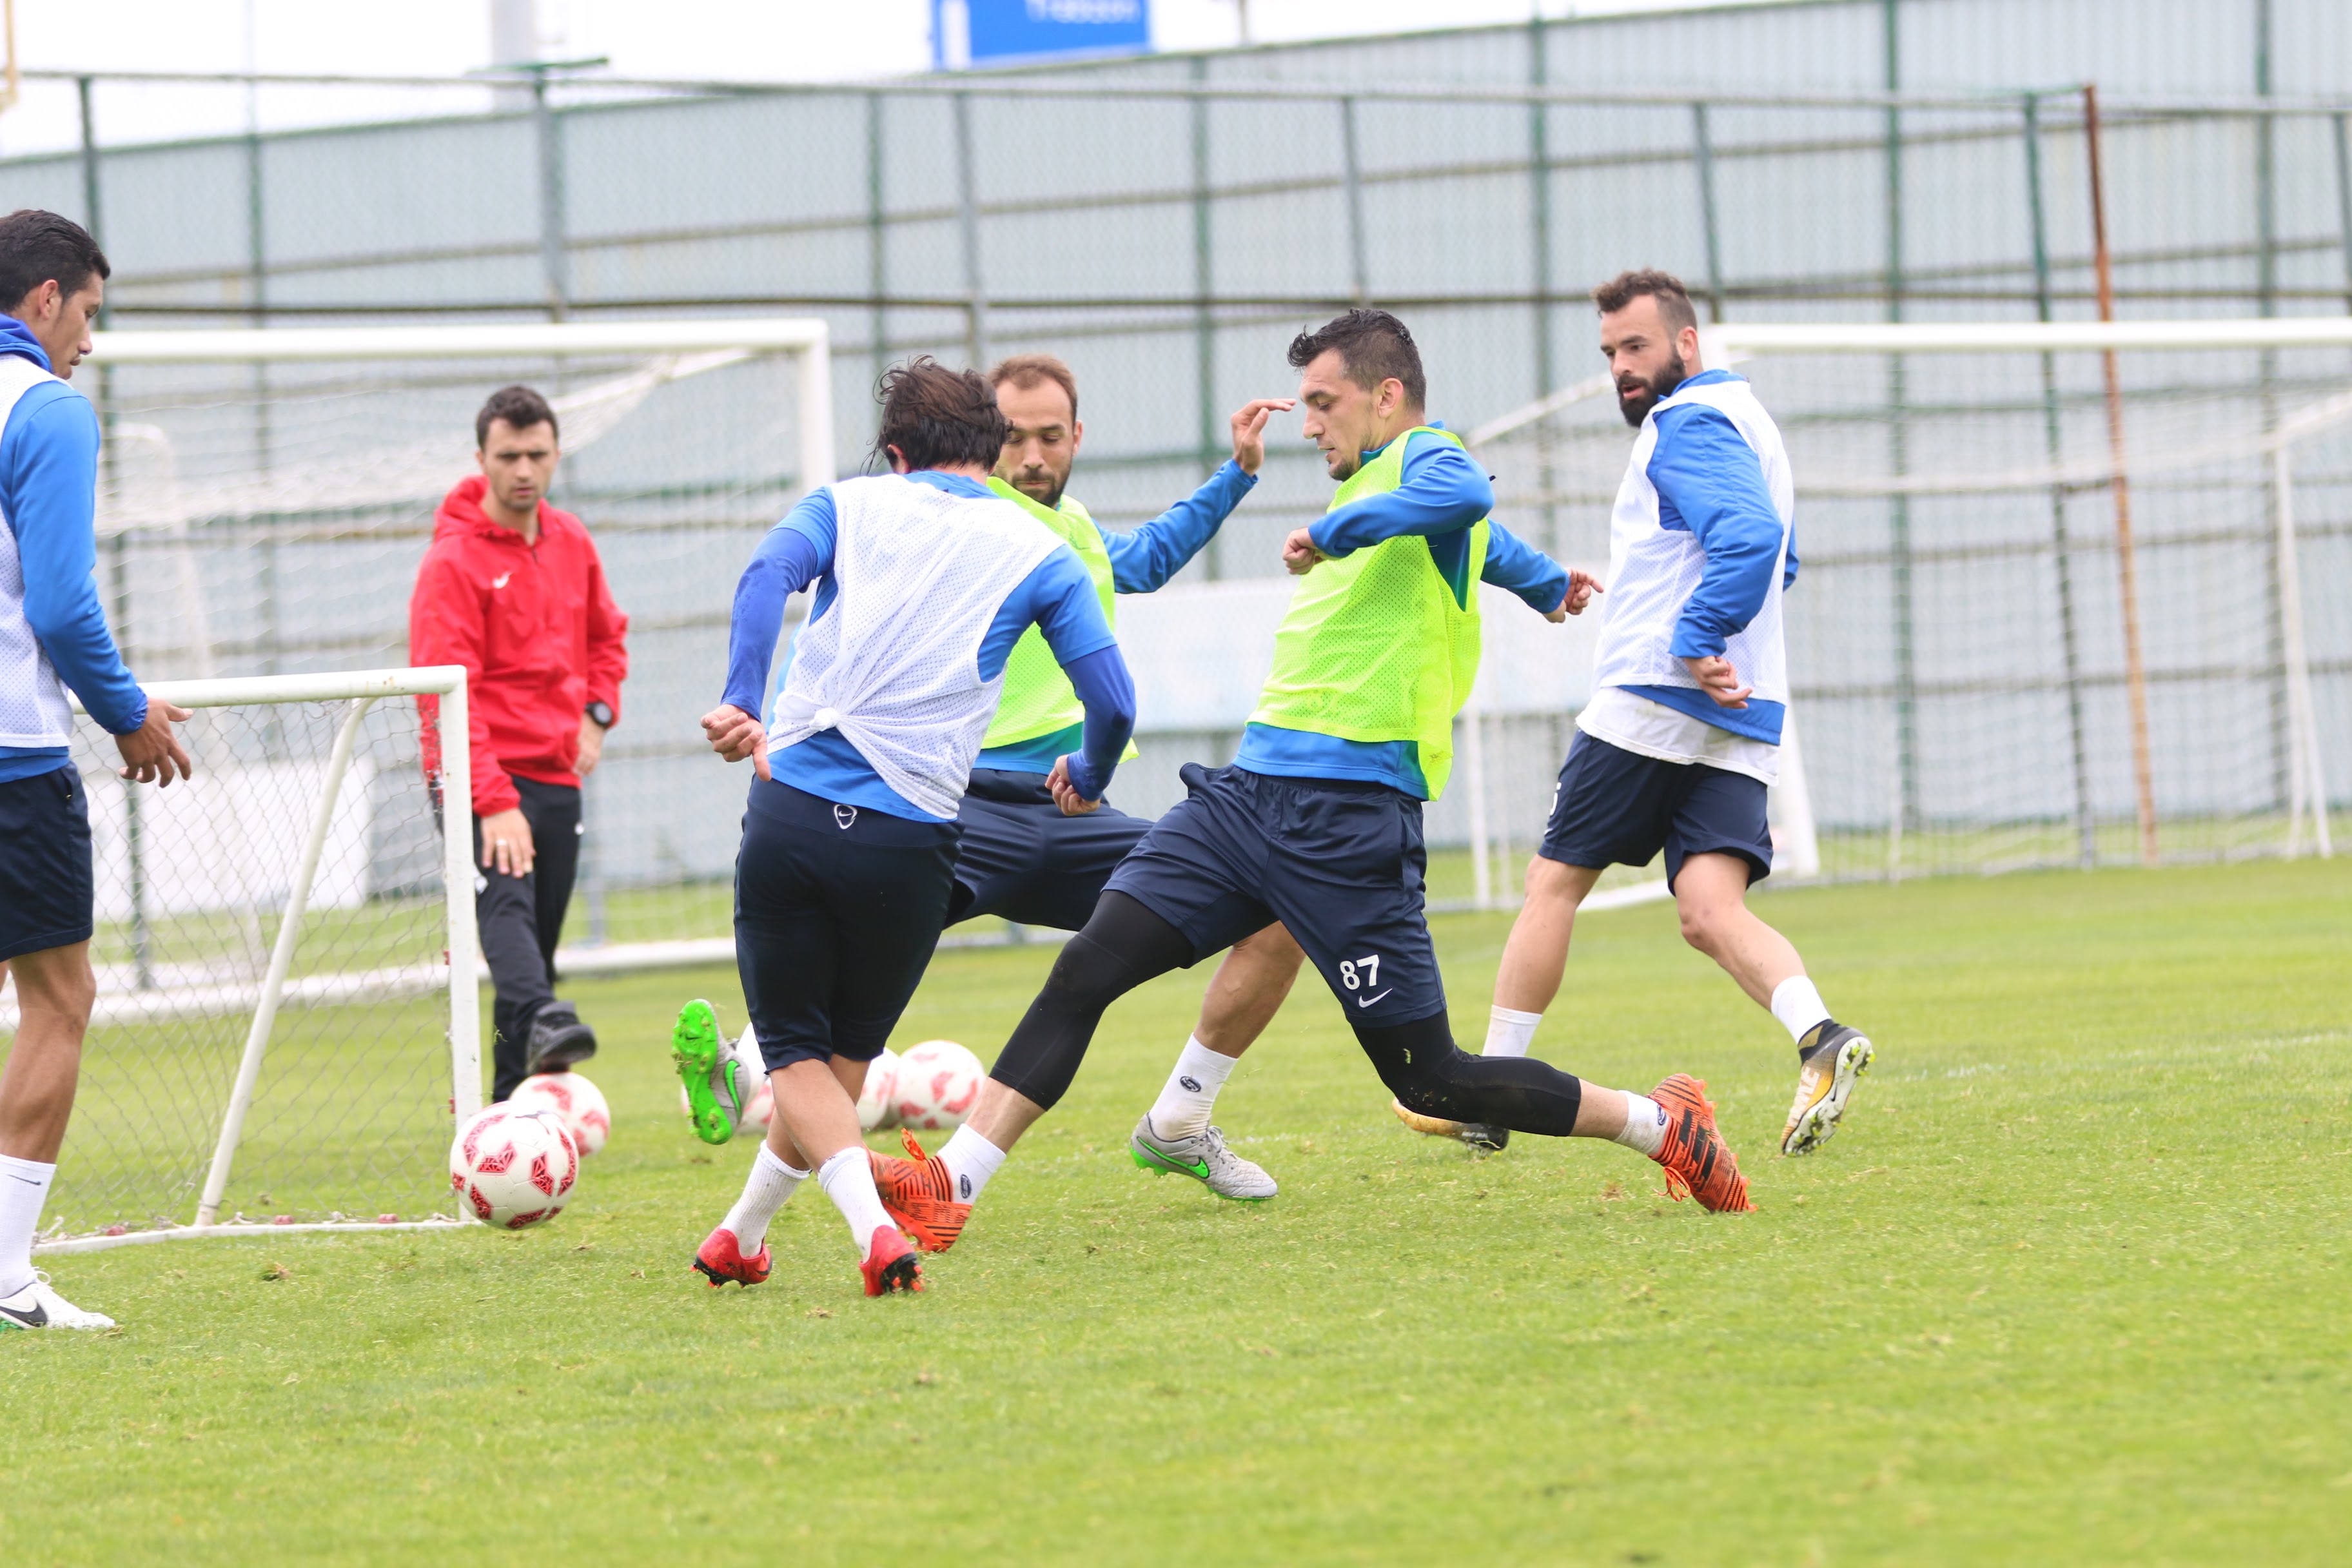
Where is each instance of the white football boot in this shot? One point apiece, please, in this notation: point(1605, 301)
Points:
point(1203, 1157)
point(38, 1307)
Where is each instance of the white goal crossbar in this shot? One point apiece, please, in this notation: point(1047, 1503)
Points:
point(360, 690)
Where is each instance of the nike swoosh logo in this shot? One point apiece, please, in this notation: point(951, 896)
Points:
point(26, 1179)
point(1192, 1168)
point(1368, 1001)
point(501, 580)
point(38, 1318)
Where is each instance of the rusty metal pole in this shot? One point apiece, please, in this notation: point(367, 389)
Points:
point(2134, 666)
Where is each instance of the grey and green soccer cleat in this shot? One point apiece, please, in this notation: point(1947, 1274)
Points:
point(1839, 1058)
point(700, 1054)
point(1203, 1157)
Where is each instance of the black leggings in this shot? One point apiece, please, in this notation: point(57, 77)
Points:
point(1125, 944)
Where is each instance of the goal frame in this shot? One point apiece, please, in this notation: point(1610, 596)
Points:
point(360, 691)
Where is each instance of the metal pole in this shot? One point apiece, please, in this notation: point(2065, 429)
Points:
point(1703, 163)
point(1907, 719)
point(2265, 170)
point(1359, 272)
point(2134, 670)
point(457, 787)
point(968, 223)
point(1204, 325)
point(2310, 780)
point(2053, 442)
point(281, 957)
point(815, 398)
point(554, 260)
point(877, 273)
point(1539, 225)
point(2343, 203)
point(1474, 763)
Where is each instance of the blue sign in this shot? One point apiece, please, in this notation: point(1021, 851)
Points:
point(966, 33)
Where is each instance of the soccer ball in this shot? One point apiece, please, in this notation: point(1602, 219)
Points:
point(875, 1106)
point(574, 1098)
point(936, 1085)
point(513, 1166)
point(752, 1112)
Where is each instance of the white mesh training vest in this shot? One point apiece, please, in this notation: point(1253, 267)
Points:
point(894, 663)
point(1654, 570)
point(33, 707)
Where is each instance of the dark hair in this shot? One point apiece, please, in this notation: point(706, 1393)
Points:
point(518, 406)
point(1373, 345)
point(1026, 370)
point(1673, 299)
point(36, 246)
point(935, 416)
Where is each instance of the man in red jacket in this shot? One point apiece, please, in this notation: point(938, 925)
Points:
point(511, 588)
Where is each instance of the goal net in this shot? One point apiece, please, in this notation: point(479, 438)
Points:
point(2065, 589)
point(266, 495)
point(281, 1035)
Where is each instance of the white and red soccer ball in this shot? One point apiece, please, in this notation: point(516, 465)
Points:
point(513, 1166)
point(580, 1103)
point(875, 1106)
point(936, 1085)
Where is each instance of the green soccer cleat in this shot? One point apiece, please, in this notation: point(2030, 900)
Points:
point(700, 1054)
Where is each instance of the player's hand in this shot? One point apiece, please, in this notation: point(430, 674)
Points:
point(592, 747)
point(1299, 555)
point(152, 753)
point(735, 735)
point(1249, 429)
point(507, 847)
point(1582, 586)
point(1720, 680)
point(1066, 794)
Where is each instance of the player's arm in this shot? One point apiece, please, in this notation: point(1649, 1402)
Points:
point(1143, 561)
point(608, 660)
point(1060, 599)
point(795, 552)
point(1441, 490)
point(1544, 584)
point(447, 625)
point(51, 507)
point(1710, 481)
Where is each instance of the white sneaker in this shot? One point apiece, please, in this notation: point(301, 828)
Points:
point(1203, 1157)
point(38, 1307)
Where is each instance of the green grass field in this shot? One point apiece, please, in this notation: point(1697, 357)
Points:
point(2071, 1286)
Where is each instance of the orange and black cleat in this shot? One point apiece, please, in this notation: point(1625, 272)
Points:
point(919, 1193)
point(720, 1259)
point(1698, 1161)
point(891, 1264)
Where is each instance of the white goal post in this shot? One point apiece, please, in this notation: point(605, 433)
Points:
point(188, 874)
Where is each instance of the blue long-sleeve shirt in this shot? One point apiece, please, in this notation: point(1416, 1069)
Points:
point(1711, 483)
point(1441, 495)
point(1058, 597)
point(49, 493)
point(1141, 562)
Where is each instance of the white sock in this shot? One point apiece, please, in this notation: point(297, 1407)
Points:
point(1646, 1125)
point(24, 1188)
point(848, 1180)
point(1798, 1004)
point(1191, 1092)
point(1509, 1033)
point(971, 1160)
point(767, 1189)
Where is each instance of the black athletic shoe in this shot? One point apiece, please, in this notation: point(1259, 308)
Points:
point(558, 1039)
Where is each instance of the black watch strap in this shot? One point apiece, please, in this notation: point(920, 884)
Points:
point(602, 713)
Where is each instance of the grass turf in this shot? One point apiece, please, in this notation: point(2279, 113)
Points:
point(2069, 1287)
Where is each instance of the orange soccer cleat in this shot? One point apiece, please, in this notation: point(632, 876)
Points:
point(919, 1193)
point(1698, 1161)
point(891, 1264)
point(720, 1258)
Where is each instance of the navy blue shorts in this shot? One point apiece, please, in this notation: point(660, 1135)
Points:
point(1612, 806)
point(45, 866)
point(836, 911)
point(1021, 860)
point(1337, 862)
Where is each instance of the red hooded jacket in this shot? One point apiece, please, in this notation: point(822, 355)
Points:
point(537, 630)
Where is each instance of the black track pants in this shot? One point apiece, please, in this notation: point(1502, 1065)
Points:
point(1122, 946)
point(1425, 1068)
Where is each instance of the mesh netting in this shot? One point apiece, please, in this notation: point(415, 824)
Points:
point(1957, 641)
point(351, 1114)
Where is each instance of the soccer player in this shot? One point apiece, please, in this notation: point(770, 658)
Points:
point(512, 589)
point(1690, 688)
point(53, 636)
point(1317, 822)
point(1019, 856)
point(926, 581)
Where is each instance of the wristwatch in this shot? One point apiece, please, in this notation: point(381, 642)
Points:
point(602, 713)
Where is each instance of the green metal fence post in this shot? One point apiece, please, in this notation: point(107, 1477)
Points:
point(1204, 323)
